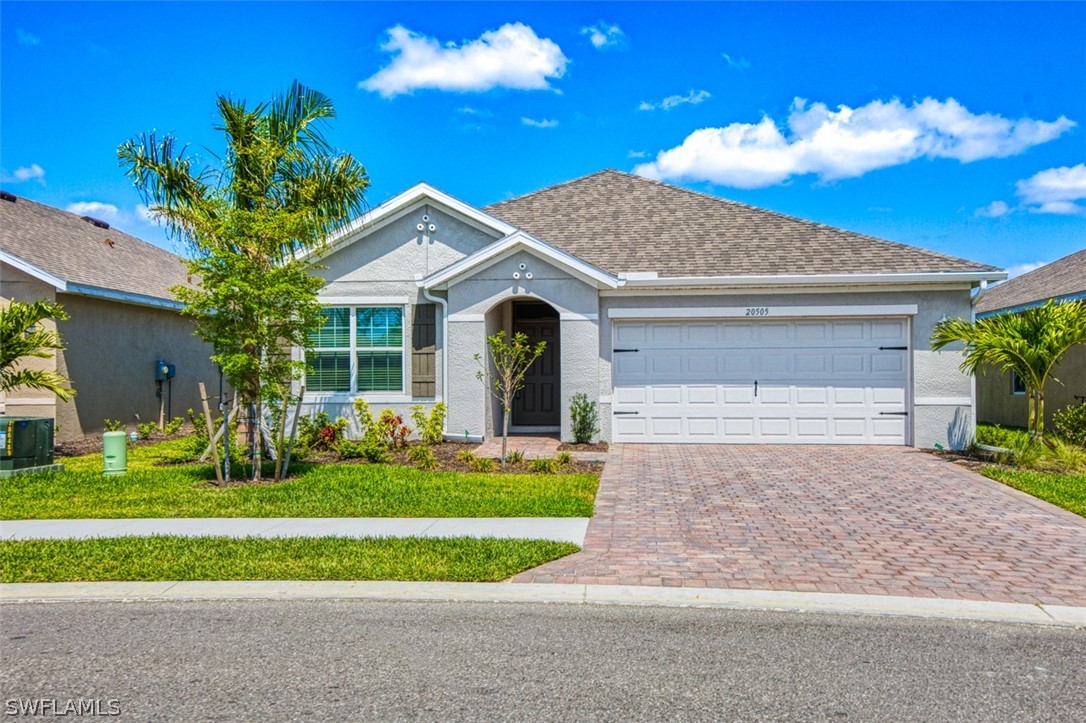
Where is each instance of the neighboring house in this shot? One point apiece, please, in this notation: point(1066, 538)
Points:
point(688, 318)
point(1001, 399)
point(122, 318)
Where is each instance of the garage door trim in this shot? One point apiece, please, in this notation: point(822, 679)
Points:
point(753, 312)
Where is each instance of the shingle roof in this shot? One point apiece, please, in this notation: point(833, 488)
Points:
point(1064, 277)
point(623, 223)
point(64, 245)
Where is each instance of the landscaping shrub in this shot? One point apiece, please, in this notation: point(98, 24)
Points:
point(362, 449)
point(563, 458)
point(146, 430)
point(114, 425)
point(430, 426)
point(320, 432)
point(423, 457)
point(994, 435)
point(515, 457)
point(1070, 423)
point(391, 430)
point(483, 464)
point(466, 456)
point(174, 425)
point(584, 417)
point(543, 466)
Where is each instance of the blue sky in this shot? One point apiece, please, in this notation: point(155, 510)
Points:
point(958, 127)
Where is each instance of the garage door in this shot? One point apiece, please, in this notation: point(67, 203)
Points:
point(808, 381)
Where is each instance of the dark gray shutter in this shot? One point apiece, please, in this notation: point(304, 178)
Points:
point(423, 350)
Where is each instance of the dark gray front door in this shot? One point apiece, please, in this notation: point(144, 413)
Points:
point(537, 404)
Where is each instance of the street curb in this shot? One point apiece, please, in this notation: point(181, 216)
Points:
point(782, 601)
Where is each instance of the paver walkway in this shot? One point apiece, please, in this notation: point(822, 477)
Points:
point(533, 446)
point(876, 520)
point(563, 529)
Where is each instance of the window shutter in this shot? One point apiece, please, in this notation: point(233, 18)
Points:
point(423, 350)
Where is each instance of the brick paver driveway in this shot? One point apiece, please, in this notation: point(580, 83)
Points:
point(879, 520)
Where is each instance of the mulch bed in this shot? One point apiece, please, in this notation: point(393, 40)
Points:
point(571, 447)
point(447, 461)
point(970, 460)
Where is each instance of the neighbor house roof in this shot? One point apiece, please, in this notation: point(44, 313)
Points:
point(624, 223)
point(1061, 279)
point(85, 257)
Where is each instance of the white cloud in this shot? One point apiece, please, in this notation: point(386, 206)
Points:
point(846, 143)
point(33, 172)
point(693, 98)
point(512, 56)
point(25, 38)
point(103, 211)
point(635, 154)
point(136, 220)
point(995, 209)
point(1019, 269)
point(737, 63)
point(1056, 190)
point(605, 36)
point(477, 112)
point(541, 123)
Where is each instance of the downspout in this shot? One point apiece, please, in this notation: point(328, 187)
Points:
point(444, 352)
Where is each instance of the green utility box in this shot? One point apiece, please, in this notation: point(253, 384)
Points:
point(26, 445)
point(114, 453)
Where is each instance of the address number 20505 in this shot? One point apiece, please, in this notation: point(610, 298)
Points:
point(757, 311)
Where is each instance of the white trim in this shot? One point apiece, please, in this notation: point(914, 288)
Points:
point(461, 316)
point(37, 272)
point(403, 203)
point(534, 428)
point(943, 401)
point(573, 316)
point(364, 300)
point(317, 398)
point(772, 312)
point(30, 401)
point(519, 240)
point(623, 292)
point(819, 279)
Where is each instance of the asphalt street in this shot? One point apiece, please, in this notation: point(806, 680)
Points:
point(364, 660)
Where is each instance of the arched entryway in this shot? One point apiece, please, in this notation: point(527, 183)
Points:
point(538, 406)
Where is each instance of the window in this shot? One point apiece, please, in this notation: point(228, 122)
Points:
point(1017, 387)
point(359, 349)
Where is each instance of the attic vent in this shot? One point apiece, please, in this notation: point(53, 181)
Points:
point(96, 222)
point(7, 196)
point(108, 242)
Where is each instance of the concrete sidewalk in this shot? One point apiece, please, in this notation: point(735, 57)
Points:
point(813, 602)
point(561, 529)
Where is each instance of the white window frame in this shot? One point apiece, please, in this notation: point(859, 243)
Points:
point(352, 350)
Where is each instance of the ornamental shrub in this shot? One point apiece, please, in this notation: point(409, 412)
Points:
point(1070, 423)
point(584, 418)
point(431, 427)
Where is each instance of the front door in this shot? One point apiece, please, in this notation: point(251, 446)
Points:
point(537, 404)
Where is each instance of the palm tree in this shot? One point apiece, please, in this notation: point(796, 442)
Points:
point(23, 336)
point(1029, 343)
point(278, 192)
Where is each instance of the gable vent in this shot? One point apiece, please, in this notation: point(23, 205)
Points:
point(8, 196)
point(96, 221)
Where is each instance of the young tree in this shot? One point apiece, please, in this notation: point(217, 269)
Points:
point(21, 336)
point(277, 193)
point(1029, 343)
point(511, 361)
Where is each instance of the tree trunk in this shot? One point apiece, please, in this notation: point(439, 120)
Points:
point(1031, 402)
point(1040, 414)
point(257, 439)
point(505, 430)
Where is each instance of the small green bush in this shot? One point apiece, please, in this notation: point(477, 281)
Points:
point(584, 418)
point(114, 425)
point(466, 456)
point(994, 435)
point(1070, 423)
point(174, 425)
point(563, 458)
point(543, 466)
point(320, 432)
point(431, 427)
point(483, 464)
point(146, 430)
point(423, 457)
point(515, 457)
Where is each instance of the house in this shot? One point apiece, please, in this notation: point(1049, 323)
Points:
point(123, 319)
point(686, 317)
point(1001, 399)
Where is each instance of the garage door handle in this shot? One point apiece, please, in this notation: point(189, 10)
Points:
point(625, 412)
point(621, 351)
point(896, 414)
point(893, 348)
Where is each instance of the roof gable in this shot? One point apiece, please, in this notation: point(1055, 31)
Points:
point(623, 223)
point(1062, 279)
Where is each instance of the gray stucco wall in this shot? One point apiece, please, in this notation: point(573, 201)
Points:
point(997, 405)
point(942, 412)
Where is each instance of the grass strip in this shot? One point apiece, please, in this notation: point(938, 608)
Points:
point(459, 559)
point(1063, 490)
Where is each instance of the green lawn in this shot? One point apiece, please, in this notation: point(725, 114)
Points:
point(346, 490)
point(322, 558)
point(1064, 490)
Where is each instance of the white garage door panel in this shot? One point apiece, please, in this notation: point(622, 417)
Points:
point(819, 381)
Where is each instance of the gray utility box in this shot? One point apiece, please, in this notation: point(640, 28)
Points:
point(26, 445)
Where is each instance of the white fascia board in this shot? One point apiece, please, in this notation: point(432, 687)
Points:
point(923, 277)
point(776, 311)
point(519, 240)
point(363, 300)
point(37, 272)
point(124, 297)
point(402, 203)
